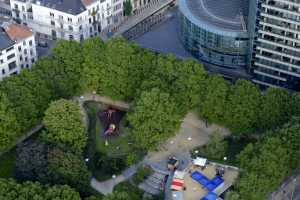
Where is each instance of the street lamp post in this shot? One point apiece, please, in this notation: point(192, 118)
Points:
point(94, 95)
point(114, 179)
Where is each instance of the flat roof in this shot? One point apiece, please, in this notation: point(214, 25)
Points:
point(5, 41)
point(221, 16)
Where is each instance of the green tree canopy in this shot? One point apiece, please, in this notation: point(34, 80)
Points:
point(22, 101)
point(11, 190)
point(92, 72)
point(214, 104)
point(9, 126)
point(242, 109)
point(64, 125)
point(127, 7)
point(154, 119)
point(216, 147)
point(265, 164)
point(117, 196)
point(68, 168)
point(276, 108)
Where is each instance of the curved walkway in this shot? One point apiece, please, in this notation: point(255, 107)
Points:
point(193, 132)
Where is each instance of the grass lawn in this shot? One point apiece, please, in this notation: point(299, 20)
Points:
point(118, 147)
point(7, 163)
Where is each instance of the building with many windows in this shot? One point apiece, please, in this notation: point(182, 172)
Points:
point(276, 46)
point(17, 49)
point(260, 36)
point(215, 32)
point(65, 19)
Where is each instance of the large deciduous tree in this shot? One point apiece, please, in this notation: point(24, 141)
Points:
point(92, 72)
point(68, 168)
point(11, 190)
point(31, 161)
point(214, 103)
point(276, 107)
point(265, 164)
point(9, 126)
point(154, 119)
point(242, 108)
point(64, 125)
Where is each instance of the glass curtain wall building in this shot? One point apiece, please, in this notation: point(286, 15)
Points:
point(276, 50)
point(261, 36)
point(215, 32)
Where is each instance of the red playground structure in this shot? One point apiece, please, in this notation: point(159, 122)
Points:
point(110, 120)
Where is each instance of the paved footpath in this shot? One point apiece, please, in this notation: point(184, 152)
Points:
point(193, 132)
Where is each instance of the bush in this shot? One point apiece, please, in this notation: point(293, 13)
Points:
point(216, 147)
point(141, 174)
point(108, 165)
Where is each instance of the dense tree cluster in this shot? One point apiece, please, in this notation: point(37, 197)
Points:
point(162, 89)
point(154, 114)
point(124, 71)
point(265, 164)
point(11, 190)
point(64, 126)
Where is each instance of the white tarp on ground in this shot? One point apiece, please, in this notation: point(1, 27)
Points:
point(179, 174)
point(200, 161)
point(177, 195)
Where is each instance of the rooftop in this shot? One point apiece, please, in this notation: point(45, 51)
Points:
point(73, 7)
point(218, 15)
point(5, 41)
point(18, 32)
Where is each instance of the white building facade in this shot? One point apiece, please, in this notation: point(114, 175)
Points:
point(17, 49)
point(70, 20)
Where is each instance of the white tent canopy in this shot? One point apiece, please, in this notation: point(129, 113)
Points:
point(179, 174)
point(200, 161)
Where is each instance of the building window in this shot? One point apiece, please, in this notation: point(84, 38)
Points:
point(22, 66)
point(69, 19)
point(52, 23)
point(70, 28)
point(24, 43)
point(9, 49)
point(25, 51)
point(60, 17)
point(80, 27)
point(23, 8)
point(12, 65)
point(71, 37)
point(27, 66)
point(19, 48)
point(51, 14)
point(3, 71)
point(1, 61)
point(32, 60)
point(31, 52)
point(16, 6)
point(30, 43)
point(10, 56)
point(21, 58)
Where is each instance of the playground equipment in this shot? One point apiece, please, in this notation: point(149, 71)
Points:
point(110, 120)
